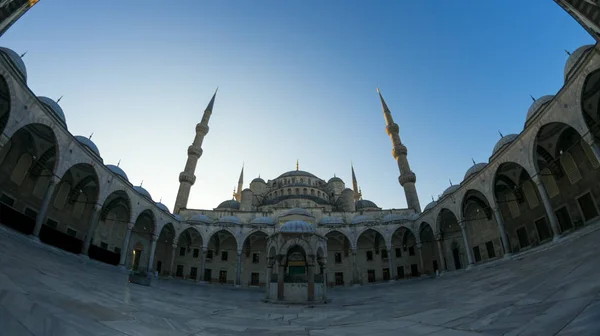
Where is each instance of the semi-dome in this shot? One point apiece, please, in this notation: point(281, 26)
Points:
point(142, 191)
point(394, 218)
point(230, 220)
point(575, 57)
point(505, 140)
point(258, 179)
point(229, 204)
point(476, 168)
point(331, 220)
point(431, 205)
point(450, 189)
point(297, 226)
point(16, 60)
point(365, 204)
point(361, 219)
point(117, 170)
point(88, 143)
point(297, 211)
point(162, 207)
point(335, 179)
point(263, 221)
point(297, 173)
point(54, 107)
point(537, 105)
point(201, 219)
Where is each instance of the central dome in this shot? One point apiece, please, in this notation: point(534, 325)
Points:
point(297, 173)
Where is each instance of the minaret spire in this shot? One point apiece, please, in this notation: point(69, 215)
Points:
point(237, 195)
point(187, 177)
point(407, 177)
point(357, 192)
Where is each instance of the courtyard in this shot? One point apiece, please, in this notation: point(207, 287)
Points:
point(554, 290)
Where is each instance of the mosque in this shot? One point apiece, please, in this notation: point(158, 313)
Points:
point(297, 234)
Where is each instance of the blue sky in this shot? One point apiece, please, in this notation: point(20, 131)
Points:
point(297, 81)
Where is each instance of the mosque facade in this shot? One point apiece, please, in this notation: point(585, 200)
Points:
point(297, 234)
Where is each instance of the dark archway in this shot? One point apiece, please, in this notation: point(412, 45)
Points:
point(165, 251)
point(455, 253)
point(109, 236)
point(339, 259)
point(221, 258)
point(429, 251)
point(372, 257)
point(140, 242)
point(590, 104)
point(4, 103)
point(569, 171)
point(254, 260)
point(404, 253)
point(27, 165)
point(481, 227)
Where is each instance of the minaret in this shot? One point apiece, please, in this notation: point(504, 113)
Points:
point(187, 177)
point(237, 195)
point(407, 178)
point(355, 185)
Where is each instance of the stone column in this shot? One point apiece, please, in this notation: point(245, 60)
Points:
point(442, 265)
point(280, 286)
point(354, 269)
point(549, 211)
point(238, 270)
point(421, 264)
point(391, 264)
point(268, 282)
point(125, 248)
point(595, 148)
point(41, 217)
point(152, 251)
point(203, 264)
point(463, 229)
point(324, 272)
point(503, 235)
point(173, 251)
point(310, 274)
point(92, 228)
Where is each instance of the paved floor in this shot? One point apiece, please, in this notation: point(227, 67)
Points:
point(551, 292)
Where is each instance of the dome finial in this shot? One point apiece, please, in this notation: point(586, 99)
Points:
point(91, 136)
point(450, 182)
point(141, 183)
point(433, 200)
point(297, 165)
point(59, 98)
point(23, 54)
point(473, 161)
point(501, 136)
point(532, 98)
point(118, 163)
point(160, 201)
point(568, 53)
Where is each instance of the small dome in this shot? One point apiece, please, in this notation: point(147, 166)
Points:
point(431, 205)
point(575, 57)
point(17, 61)
point(297, 226)
point(179, 217)
point(365, 204)
point(297, 211)
point(262, 221)
point(394, 218)
point(230, 220)
point(258, 179)
point(88, 143)
point(450, 190)
point(537, 105)
point(507, 139)
point(162, 207)
point(331, 220)
point(335, 179)
point(54, 107)
point(201, 218)
point(118, 171)
point(229, 204)
point(142, 191)
point(296, 173)
point(362, 219)
point(476, 168)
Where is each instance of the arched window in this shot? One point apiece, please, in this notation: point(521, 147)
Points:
point(302, 180)
point(304, 191)
point(570, 168)
point(289, 191)
point(590, 154)
point(42, 184)
point(18, 174)
point(61, 196)
point(79, 206)
point(297, 191)
point(312, 192)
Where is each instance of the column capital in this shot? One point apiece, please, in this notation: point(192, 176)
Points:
point(419, 245)
point(154, 237)
point(204, 249)
point(174, 245)
point(54, 180)
point(536, 179)
point(462, 225)
point(97, 207)
point(130, 226)
point(438, 236)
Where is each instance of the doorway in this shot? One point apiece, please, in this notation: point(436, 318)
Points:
point(137, 255)
point(222, 277)
point(456, 256)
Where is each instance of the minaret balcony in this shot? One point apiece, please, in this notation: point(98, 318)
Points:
point(408, 177)
point(202, 129)
point(185, 177)
point(392, 128)
point(399, 150)
point(196, 152)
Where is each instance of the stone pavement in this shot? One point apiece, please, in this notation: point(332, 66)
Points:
point(553, 291)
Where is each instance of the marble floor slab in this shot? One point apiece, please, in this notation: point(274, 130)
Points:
point(553, 290)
